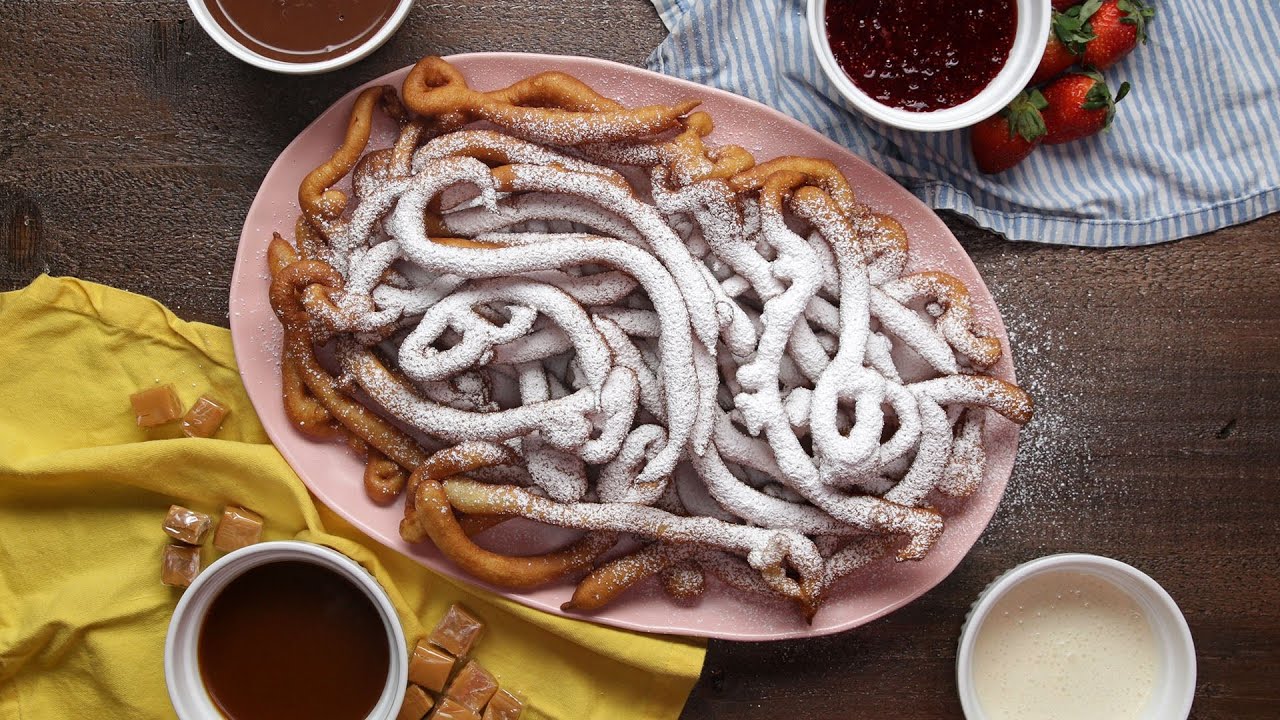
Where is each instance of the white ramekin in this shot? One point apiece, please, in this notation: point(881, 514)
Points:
point(181, 666)
point(1175, 688)
point(222, 37)
point(1028, 46)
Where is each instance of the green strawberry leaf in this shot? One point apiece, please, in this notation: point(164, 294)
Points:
point(1092, 74)
point(1099, 97)
point(1023, 115)
point(1085, 10)
point(1136, 13)
point(1072, 31)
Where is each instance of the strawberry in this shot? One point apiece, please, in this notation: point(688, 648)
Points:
point(1079, 105)
point(1118, 26)
point(1006, 138)
point(1070, 33)
point(1062, 5)
point(1055, 60)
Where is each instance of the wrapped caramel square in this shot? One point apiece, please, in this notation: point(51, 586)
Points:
point(450, 709)
point(417, 703)
point(504, 706)
point(186, 526)
point(238, 528)
point(179, 565)
point(204, 418)
point(430, 667)
point(156, 406)
point(472, 686)
point(457, 631)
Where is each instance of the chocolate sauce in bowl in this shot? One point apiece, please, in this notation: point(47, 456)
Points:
point(301, 31)
point(921, 55)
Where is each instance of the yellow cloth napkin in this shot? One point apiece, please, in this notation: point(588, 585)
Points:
point(83, 491)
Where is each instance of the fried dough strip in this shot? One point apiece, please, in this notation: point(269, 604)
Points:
point(383, 477)
point(363, 422)
point(300, 406)
point(691, 160)
point(280, 254)
point(604, 584)
point(433, 518)
point(813, 171)
point(355, 417)
point(549, 107)
point(464, 457)
point(319, 202)
point(685, 156)
point(884, 241)
point(683, 582)
point(955, 320)
point(473, 525)
point(772, 550)
point(311, 244)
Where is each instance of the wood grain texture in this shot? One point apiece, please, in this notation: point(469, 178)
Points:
point(131, 147)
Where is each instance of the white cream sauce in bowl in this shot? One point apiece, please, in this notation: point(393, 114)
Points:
point(1075, 637)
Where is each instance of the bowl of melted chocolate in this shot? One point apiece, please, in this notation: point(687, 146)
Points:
point(928, 65)
point(300, 36)
point(284, 630)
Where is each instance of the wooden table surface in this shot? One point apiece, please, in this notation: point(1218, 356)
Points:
point(131, 147)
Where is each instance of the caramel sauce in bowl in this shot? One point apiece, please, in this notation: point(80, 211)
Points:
point(300, 37)
point(285, 630)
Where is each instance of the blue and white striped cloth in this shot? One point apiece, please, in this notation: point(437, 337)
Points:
point(1195, 147)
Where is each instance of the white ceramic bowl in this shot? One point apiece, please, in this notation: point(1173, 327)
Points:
point(1175, 687)
point(200, 9)
point(1028, 45)
point(181, 666)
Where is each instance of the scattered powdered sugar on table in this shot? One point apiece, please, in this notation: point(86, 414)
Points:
point(1054, 449)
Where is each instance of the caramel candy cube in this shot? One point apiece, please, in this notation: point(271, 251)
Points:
point(450, 709)
point(204, 418)
point(179, 565)
point(417, 703)
point(156, 406)
point(186, 526)
point(238, 528)
point(457, 631)
point(504, 706)
point(430, 667)
point(473, 686)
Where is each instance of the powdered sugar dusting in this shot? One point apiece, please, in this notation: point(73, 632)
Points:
point(642, 306)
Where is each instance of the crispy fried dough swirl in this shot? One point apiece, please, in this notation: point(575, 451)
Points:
point(610, 324)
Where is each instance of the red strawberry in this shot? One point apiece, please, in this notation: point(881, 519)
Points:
point(1056, 59)
point(1004, 139)
point(1118, 27)
point(1061, 5)
point(1080, 104)
point(1066, 43)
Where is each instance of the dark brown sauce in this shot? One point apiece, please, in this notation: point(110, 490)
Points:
point(301, 31)
point(293, 640)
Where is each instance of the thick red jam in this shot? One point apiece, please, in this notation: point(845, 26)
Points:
point(921, 55)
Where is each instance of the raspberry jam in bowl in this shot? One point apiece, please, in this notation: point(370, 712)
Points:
point(929, 65)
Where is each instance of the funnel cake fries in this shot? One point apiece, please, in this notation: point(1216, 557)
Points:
point(612, 326)
point(548, 107)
